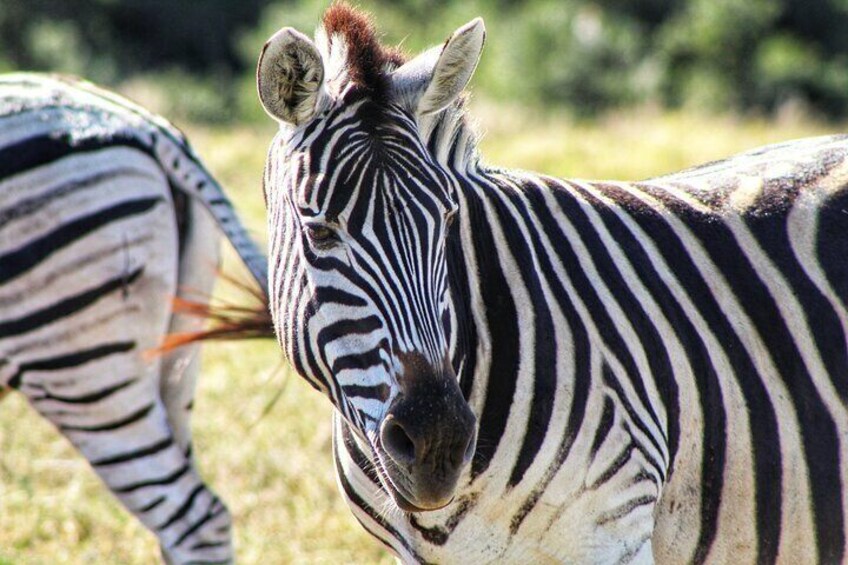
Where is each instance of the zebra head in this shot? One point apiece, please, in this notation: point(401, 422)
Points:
point(359, 212)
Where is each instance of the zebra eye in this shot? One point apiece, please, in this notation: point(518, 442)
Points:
point(320, 235)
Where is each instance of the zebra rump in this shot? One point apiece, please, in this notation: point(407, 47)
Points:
point(106, 215)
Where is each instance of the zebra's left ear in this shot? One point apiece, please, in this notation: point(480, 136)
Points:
point(434, 79)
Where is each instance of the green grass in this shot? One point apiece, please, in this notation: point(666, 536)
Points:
point(275, 472)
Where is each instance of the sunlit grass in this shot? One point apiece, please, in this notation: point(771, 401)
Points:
point(275, 472)
point(627, 145)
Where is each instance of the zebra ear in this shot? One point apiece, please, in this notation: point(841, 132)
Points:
point(290, 76)
point(434, 79)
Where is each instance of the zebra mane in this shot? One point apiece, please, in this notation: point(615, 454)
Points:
point(352, 52)
point(354, 56)
point(451, 136)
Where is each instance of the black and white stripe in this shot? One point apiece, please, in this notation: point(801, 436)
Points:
point(659, 369)
point(103, 219)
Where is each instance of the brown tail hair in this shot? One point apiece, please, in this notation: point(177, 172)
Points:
point(225, 321)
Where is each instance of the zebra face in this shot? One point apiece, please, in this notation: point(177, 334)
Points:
point(361, 294)
point(359, 217)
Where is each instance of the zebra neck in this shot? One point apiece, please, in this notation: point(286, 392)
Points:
point(507, 303)
point(451, 139)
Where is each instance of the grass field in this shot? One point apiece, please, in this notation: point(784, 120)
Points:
point(275, 471)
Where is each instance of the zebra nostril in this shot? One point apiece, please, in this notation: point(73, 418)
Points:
point(397, 442)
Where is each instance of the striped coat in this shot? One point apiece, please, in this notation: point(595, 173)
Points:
point(104, 217)
point(659, 371)
point(655, 371)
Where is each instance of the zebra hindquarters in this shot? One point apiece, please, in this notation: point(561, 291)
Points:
point(82, 319)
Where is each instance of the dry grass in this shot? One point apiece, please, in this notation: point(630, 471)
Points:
point(275, 471)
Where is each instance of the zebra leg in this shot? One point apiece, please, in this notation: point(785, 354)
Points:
point(119, 423)
point(199, 262)
point(94, 381)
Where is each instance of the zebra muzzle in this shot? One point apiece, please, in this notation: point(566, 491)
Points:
point(428, 438)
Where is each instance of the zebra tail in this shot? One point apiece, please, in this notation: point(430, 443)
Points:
point(226, 321)
point(198, 183)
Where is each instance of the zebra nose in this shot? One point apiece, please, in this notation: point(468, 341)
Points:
point(412, 438)
point(408, 449)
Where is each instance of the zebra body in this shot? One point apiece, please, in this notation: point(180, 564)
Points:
point(658, 371)
point(104, 217)
point(671, 382)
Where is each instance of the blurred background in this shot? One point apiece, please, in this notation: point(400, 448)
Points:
point(587, 56)
point(580, 88)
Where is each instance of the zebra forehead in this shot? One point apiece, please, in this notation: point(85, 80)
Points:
point(367, 63)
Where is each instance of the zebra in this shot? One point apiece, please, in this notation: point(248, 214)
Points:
point(533, 370)
point(105, 215)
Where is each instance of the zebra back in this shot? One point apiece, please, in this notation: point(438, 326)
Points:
point(78, 100)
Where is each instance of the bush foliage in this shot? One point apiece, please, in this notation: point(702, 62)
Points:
point(585, 55)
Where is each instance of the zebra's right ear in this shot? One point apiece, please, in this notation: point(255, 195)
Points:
point(290, 77)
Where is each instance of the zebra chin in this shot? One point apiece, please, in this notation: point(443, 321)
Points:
point(421, 490)
point(427, 502)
